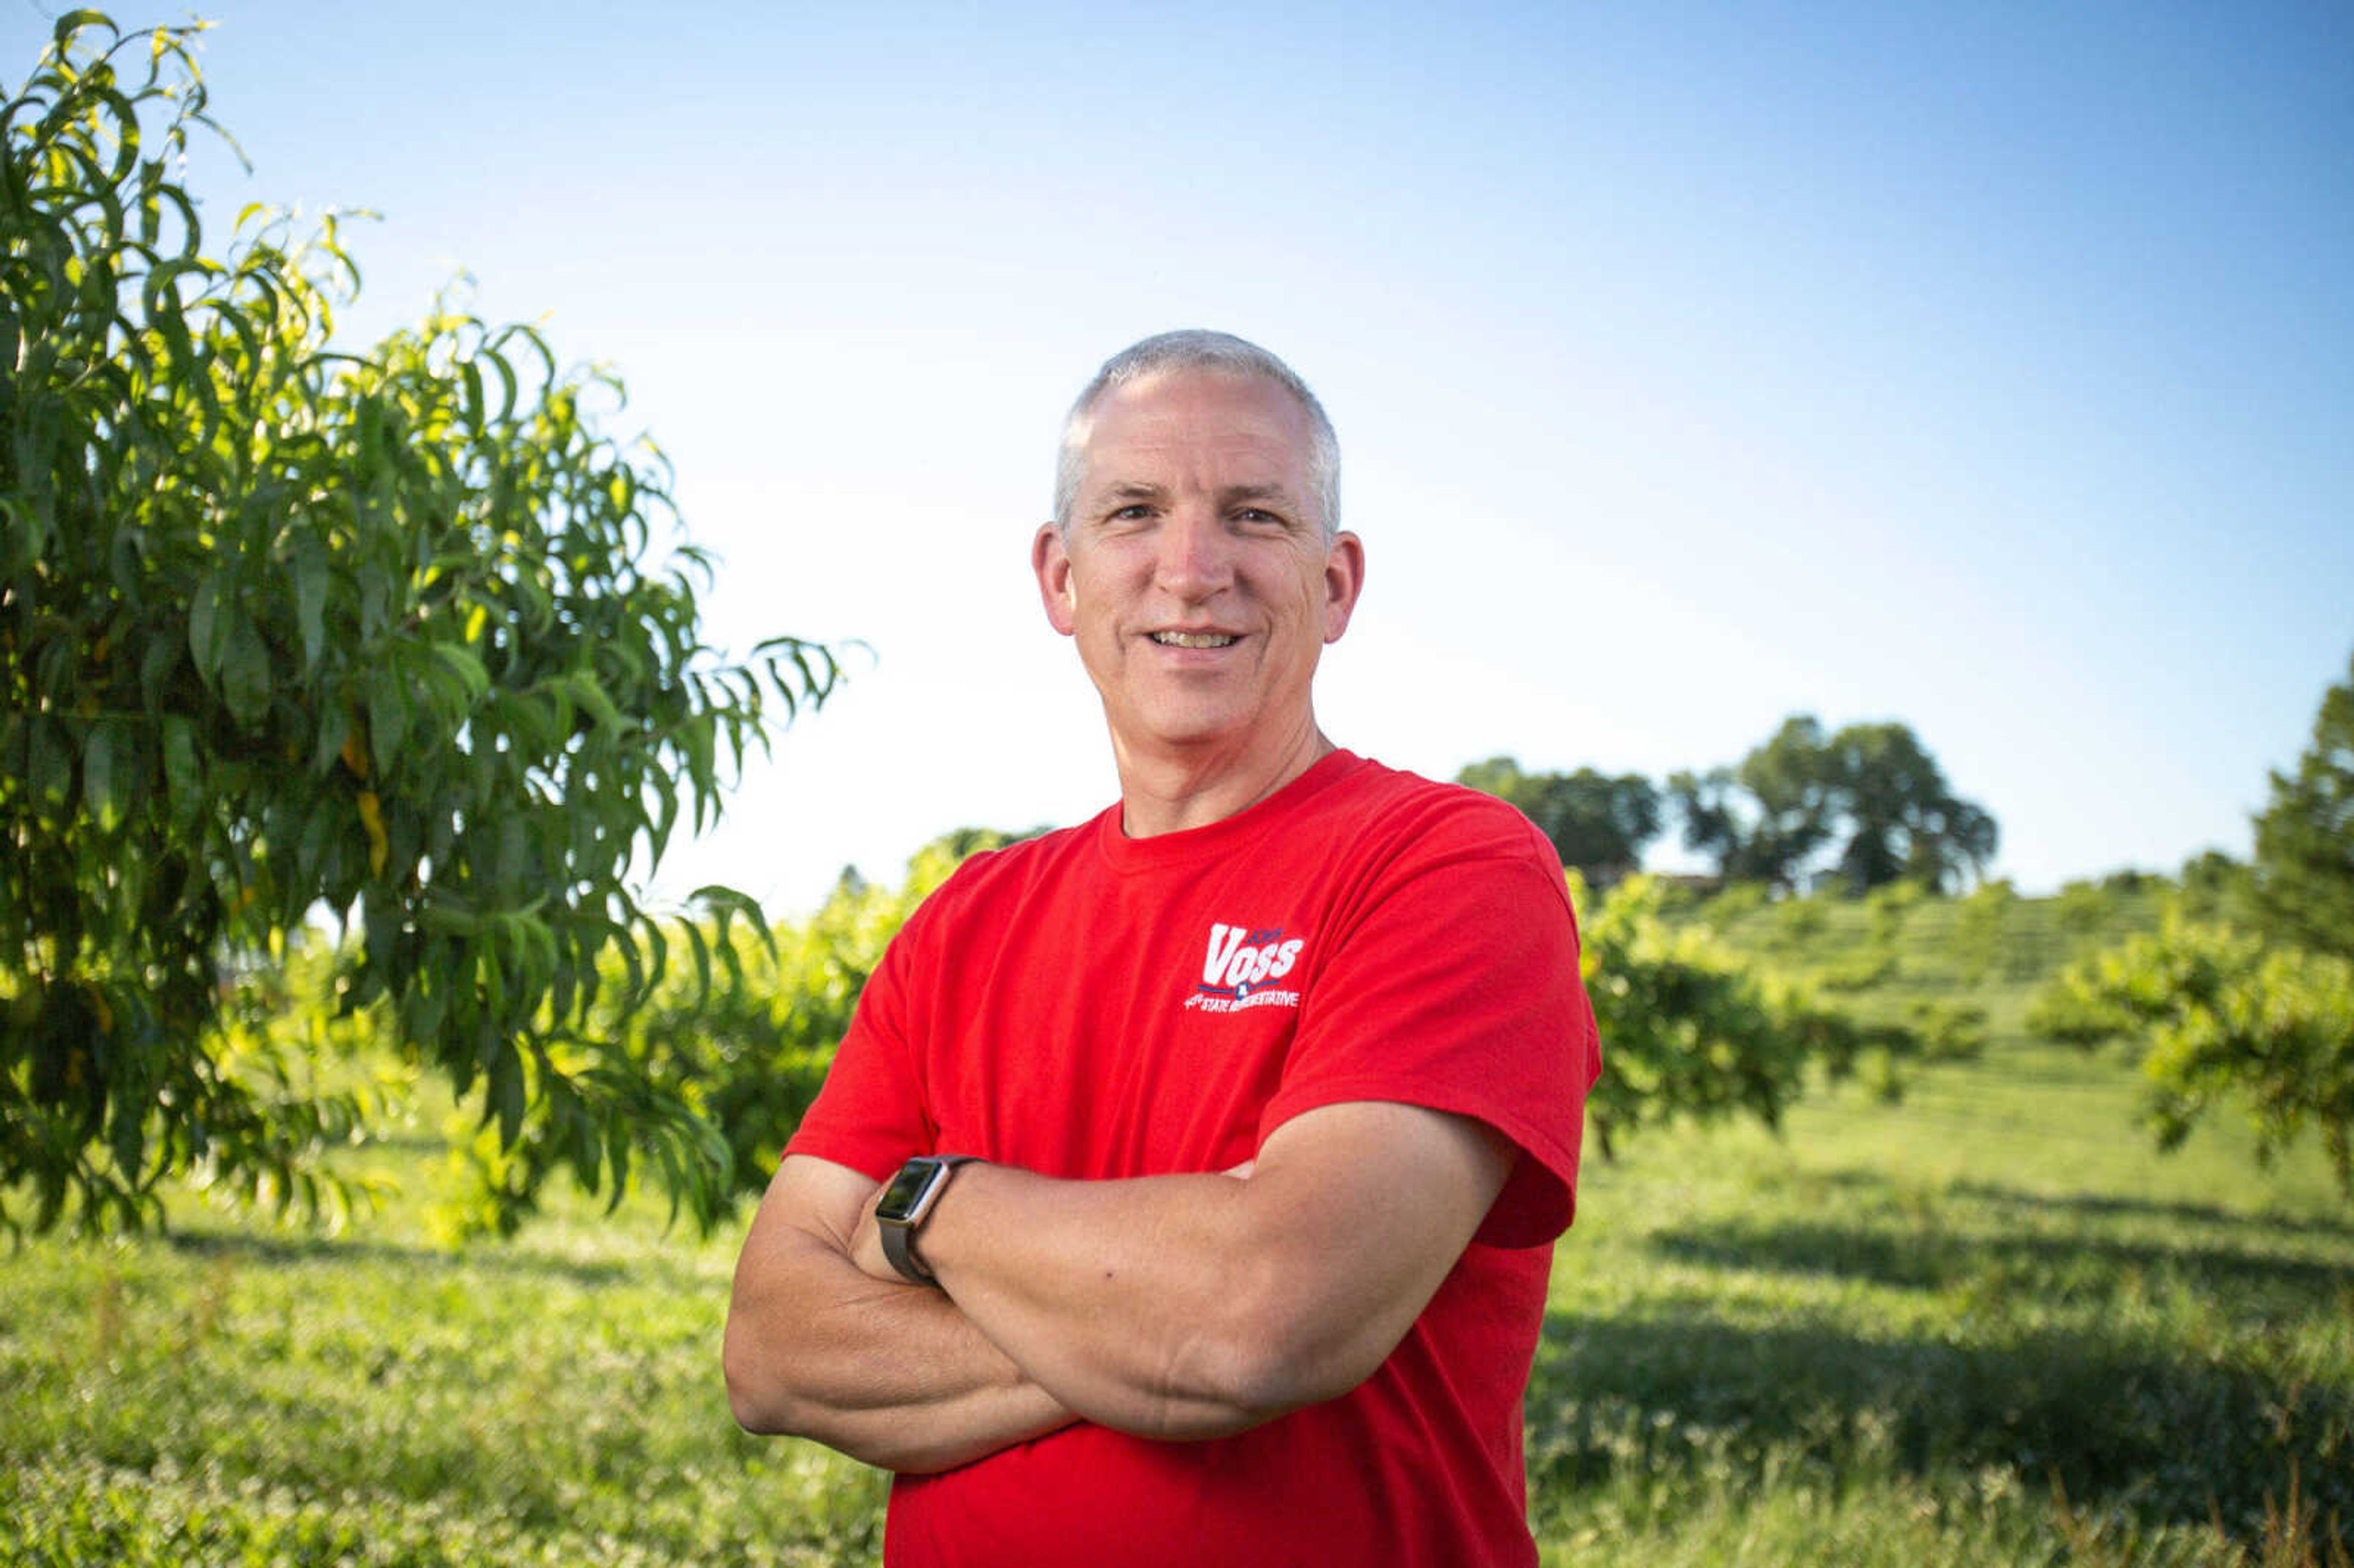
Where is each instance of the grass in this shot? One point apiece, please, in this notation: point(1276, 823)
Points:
point(235, 1394)
point(1989, 1325)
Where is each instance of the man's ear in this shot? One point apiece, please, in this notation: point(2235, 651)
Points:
point(1344, 579)
point(1050, 559)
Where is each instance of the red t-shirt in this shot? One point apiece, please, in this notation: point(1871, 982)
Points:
point(1089, 1005)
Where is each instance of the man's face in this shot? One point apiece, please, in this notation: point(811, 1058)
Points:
point(1195, 575)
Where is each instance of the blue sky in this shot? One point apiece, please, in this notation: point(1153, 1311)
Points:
point(1985, 367)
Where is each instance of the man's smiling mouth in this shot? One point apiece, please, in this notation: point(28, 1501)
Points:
point(1195, 639)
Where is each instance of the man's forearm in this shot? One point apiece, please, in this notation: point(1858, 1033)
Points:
point(1125, 1298)
point(1197, 1306)
point(888, 1372)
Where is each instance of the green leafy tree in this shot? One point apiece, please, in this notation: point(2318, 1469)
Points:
point(745, 1032)
point(1903, 821)
point(2222, 1017)
point(1598, 823)
point(2217, 889)
point(1692, 1032)
point(395, 635)
point(1869, 798)
point(1764, 821)
point(2304, 838)
point(1709, 807)
point(1793, 793)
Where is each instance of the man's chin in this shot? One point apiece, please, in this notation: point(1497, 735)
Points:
point(1179, 729)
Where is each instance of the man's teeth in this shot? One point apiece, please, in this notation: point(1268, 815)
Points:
point(1194, 639)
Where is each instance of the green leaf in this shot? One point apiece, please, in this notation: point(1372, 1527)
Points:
point(387, 705)
point(73, 22)
point(589, 693)
point(466, 668)
point(245, 674)
point(701, 947)
point(308, 565)
point(183, 774)
point(470, 377)
point(448, 918)
point(129, 1139)
point(48, 763)
point(102, 787)
point(335, 727)
point(507, 382)
point(507, 1094)
point(206, 645)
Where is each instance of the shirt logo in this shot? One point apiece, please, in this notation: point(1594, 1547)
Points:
point(1240, 967)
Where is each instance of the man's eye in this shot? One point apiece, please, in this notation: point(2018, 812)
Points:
point(1133, 512)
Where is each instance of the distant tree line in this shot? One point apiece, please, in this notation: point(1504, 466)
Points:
point(1859, 807)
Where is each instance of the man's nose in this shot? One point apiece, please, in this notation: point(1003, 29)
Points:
point(1196, 552)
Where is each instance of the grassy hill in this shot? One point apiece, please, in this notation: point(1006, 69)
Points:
point(1987, 1325)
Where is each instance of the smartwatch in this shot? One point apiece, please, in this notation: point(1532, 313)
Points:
point(906, 1203)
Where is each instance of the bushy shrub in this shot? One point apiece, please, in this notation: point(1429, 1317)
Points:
point(2220, 1016)
point(1691, 1031)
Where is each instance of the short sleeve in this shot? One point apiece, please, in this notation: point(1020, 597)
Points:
point(1456, 987)
point(869, 1113)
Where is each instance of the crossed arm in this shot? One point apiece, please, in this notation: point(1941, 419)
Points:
point(1172, 1306)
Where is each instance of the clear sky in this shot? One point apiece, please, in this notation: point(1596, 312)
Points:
point(1987, 367)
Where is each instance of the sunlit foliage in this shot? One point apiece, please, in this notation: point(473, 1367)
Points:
point(742, 1029)
point(400, 635)
point(2223, 1018)
point(1690, 1031)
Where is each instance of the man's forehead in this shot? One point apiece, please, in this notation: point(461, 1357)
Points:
point(1175, 412)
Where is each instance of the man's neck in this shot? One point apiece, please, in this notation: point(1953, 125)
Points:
point(1170, 791)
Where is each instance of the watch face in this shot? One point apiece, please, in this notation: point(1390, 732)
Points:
point(909, 1185)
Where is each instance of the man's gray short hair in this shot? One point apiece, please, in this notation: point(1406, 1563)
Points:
point(1195, 349)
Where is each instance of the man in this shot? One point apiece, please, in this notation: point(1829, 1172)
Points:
point(1274, 1074)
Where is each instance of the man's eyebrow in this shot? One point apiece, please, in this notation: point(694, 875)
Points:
point(1238, 493)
